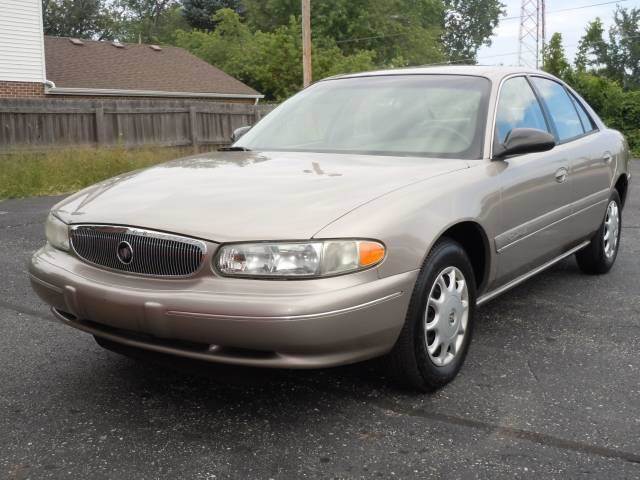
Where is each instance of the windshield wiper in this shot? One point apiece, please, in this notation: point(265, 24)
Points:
point(234, 149)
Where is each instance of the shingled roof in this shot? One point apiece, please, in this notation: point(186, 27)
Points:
point(104, 67)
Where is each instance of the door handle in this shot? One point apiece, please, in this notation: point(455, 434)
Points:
point(607, 158)
point(561, 175)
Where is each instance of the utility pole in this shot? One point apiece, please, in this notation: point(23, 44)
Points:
point(306, 43)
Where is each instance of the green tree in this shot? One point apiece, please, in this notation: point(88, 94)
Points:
point(554, 60)
point(618, 108)
point(268, 61)
point(469, 24)
point(199, 13)
point(592, 49)
point(618, 57)
point(400, 32)
point(149, 21)
point(624, 48)
point(267, 15)
point(77, 18)
point(126, 20)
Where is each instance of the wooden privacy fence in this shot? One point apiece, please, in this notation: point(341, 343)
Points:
point(43, 123)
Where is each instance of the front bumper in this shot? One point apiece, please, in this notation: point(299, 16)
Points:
point(293, 324)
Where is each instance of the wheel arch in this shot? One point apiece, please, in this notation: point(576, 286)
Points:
point(622, 186)
point(474, 240)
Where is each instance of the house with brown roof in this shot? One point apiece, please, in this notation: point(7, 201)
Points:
point(33, 65)
point(92, 68)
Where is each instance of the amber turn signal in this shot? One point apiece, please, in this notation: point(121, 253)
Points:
point(370, 253)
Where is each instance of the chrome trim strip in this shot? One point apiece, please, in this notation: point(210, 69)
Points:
point(330, 313)
point(588, 201)
point(523, 231)
point(500, 290)
point(141, 232)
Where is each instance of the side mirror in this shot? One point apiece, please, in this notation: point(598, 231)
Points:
point(525, 140)
point(239, 132)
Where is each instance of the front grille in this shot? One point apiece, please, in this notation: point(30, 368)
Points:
point(138, 251)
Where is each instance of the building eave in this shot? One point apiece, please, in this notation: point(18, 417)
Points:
point(116, 92)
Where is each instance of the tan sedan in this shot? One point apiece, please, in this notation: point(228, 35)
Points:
point(368, 215)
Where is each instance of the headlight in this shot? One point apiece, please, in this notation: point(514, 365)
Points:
point(57, 233)
point(298, 259)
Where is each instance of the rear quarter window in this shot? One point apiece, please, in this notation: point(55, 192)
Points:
point(588, 124)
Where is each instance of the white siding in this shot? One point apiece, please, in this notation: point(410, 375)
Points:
point(21, 41)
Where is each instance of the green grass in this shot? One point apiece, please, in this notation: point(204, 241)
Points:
point(25, 174)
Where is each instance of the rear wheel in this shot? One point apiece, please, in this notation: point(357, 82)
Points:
point(599, 256)
point(437, 331)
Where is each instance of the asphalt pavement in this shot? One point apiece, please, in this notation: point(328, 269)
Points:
point(550, 389)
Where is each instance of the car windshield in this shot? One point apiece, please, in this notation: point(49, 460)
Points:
point(417, 115)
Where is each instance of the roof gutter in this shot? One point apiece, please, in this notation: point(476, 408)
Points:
point(115, 92)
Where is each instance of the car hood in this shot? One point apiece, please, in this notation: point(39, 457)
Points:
point(236, 196)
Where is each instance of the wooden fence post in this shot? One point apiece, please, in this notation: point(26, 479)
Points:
point(193, 125)
point(100, 140)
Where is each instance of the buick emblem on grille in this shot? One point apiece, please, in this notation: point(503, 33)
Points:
point(125, 253)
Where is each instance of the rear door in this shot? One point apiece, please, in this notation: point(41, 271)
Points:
point(536, 193)
point(590, 162)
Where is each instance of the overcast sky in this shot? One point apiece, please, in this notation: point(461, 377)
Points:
point(570, 24)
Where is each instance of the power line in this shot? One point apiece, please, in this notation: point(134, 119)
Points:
point(360, 39)
point(497, 55)
point(570, 9)
point(564, 46)
point(375, 37)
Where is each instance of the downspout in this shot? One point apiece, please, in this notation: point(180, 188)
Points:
point(49, 84)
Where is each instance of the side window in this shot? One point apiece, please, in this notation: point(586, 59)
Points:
point(518, 107)
point(561, 108)
point(587, 122)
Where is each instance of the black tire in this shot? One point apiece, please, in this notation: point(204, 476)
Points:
point(409, 361)
point(592, 259)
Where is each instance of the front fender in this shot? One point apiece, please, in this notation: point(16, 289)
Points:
point(410, 220)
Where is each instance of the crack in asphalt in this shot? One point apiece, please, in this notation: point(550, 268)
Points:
point(533, 374)
point(515, 433)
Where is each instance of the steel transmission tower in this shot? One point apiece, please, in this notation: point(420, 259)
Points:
point(532, 33)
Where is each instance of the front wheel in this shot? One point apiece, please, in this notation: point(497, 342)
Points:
point(437, 331)
point(599, 256)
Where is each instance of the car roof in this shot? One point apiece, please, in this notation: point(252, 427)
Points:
point(491, 72)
